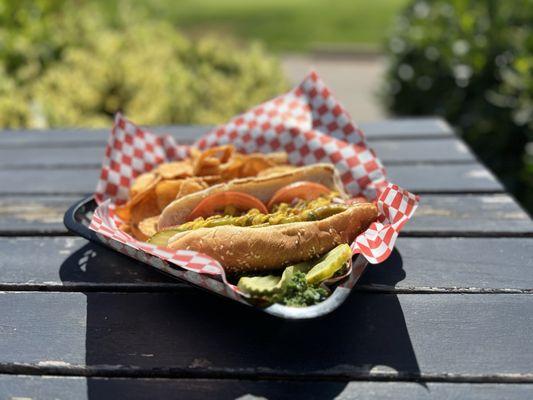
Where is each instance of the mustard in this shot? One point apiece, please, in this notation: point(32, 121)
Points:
point(282, 213)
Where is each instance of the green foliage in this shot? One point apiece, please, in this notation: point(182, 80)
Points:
point(294, 25)
point(472, 63)
point(67, 65)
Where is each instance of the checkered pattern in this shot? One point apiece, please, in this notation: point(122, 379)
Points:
point(396, 206)
point(307, 123)
point(194, 267)
point(131, 151)
point(311, 126)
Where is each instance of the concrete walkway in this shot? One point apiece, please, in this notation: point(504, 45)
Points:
point(354, 81)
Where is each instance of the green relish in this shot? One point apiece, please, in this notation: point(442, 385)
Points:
point(298, 293)
point(283, 213)
point(299, 284)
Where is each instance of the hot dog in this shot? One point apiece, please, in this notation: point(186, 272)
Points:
point(266, 223)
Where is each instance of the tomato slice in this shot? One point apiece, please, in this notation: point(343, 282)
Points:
point(298, 190)
point(211, 204)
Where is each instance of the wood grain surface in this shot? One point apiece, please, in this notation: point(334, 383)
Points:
point(391, 152)
point(195, 334)
point(444, 265)
point(434, 178)
point(448, 315)
point(101, 388)
point(438, 214)
point(405, 128)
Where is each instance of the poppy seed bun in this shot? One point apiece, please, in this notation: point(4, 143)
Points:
point(245, 249)
point(263, 188)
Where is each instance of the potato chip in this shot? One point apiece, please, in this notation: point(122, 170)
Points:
point(209, 172)
point(232, 168)
point(177, 169)
point(191, 185)
point(145, 207)
point(166, 191)
point(195, 153)
point(222, 153)
point(123, 212)
point(141, 183)
point(278, 158)
point(151, 192)
point(208, 162)
point(255, 164)
point(139, 196)
point(148, 226)
point(124, 227)
point(210, 166)
point(205, 169)
point(137, 233)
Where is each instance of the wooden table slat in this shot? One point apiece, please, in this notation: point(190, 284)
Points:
point(34, 214)
point(195, 334)
point(397, 151)
point(488, 214)
point(452, 303)
point(469, 214)
point(404, 128)
point(417, 264)
point(92, 137)
point(81, 388)
point(408, 128)
point(471, 177)
point(444, 178)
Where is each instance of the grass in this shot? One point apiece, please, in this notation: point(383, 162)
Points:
point(283, 25)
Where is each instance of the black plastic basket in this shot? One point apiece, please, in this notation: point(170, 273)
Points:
point(77, 220)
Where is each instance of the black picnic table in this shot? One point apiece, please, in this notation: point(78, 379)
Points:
point(449, 315)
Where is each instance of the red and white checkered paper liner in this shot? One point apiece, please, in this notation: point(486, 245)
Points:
point(307, 123)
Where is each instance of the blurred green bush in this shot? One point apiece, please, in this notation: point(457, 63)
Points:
point(472, 63)
point(69, 64)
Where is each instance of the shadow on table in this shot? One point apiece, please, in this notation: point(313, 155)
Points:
point(189, 333)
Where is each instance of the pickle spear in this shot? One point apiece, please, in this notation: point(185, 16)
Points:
point(161, 238)
point(328, 264)
point(270, 284)
point(316, 272)
point(260, 285)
